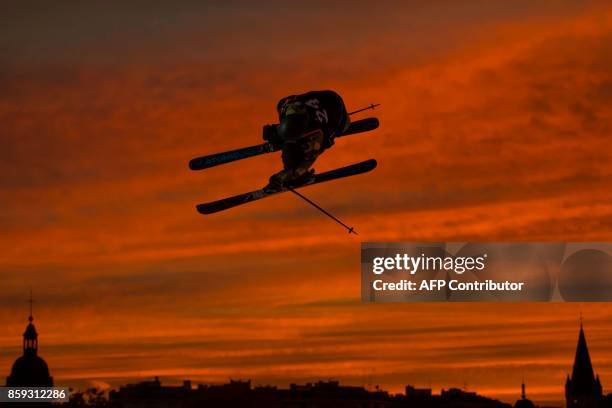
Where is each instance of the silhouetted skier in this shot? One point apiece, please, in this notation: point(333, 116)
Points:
point(308, 124)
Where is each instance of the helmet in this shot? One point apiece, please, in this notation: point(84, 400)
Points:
point(293, 125)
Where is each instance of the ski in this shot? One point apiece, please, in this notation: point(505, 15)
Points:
point(230, 202)
point(205, 162)
point(360, 126)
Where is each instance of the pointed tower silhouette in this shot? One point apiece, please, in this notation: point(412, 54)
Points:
point(583, 389)
point(523, 402)
point(30, 370)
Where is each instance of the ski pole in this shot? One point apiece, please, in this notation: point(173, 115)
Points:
point(370, 106)
point(351, 230)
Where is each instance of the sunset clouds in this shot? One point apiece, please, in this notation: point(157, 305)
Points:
point(495, 125)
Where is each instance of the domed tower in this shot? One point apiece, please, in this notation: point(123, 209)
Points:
point(30, 370)
point(524, 402)
point(583, 389)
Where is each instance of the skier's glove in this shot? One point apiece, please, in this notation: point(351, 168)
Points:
point(270, 135)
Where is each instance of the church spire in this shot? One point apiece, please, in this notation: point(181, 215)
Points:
point(582, 372)
point(31, 301)
point(30, 336)
point(523, 402)
point(582, 389)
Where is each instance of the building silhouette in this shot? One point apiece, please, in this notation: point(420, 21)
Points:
point(30, 370)
point(524, 402)
point(322, 394)
point(583, 389)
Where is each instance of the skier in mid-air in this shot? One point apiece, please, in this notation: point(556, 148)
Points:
point(308, 124)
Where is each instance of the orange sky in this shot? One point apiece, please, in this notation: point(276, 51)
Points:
point(495, 126)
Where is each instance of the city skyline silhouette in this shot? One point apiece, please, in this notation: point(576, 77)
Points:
point(583, 388)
